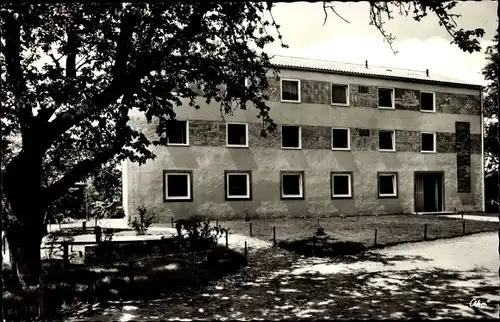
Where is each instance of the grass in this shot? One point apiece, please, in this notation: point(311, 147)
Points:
point(361, 229)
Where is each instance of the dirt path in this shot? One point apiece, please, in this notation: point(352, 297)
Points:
point(428, 280)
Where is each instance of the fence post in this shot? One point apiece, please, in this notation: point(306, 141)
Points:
point(131, 271)
point(227, 241)
point(425, 231)
point(463, 227)
point(462, 214)
point(172, 221)
point(65, 254)
point(41, 302)
point(216, 222)
point(84, 225)
point(246, 253)
point(375, 237)
point(250, 230)
point(98, 234)
point(274, 236)
point(318, 221)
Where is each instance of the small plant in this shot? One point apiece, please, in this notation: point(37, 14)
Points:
point(320, 231)
point(146, 217)
point(198, 228)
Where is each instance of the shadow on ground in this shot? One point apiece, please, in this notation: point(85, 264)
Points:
point(148, 278)
point(269, 288)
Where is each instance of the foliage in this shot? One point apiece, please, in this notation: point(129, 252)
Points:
point(490, 73)
point(144, 219)
point(466, 40)
point(198, 228)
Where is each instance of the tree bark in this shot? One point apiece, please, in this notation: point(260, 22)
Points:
point(24, 225)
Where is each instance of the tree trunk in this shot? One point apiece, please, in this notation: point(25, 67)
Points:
point(24, 246)
point(24, 224)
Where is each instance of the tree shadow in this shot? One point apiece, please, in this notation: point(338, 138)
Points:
point(150, 277)
point(270, 288)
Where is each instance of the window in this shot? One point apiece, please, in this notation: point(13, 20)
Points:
point(386, 98)
point(292, 185)
point(386, 141)
point(340, 139)
point(428, 142)
point(340, 94)
point(290, 137)
point(427, 102)
point(238, 185)
point(177, 185)
point(236, 134)
point(177, 132)
point(363, 89)
point(290, 90)
point(387, 185)
point(341, 184)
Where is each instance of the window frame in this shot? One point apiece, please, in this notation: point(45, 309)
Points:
point(281, 90)
point(348, 139)
point(300, 137)
point(189, 197)
point(433, 144)
point(187, 135)
point(395, 183)
point(433, 102)
point(392, 98)
point(228, 173)
point(346, 93)
point(393, 141)
point(246, 145)
point(301, 196)
point(349, 174)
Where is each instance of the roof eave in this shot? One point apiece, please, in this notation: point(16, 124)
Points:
point(415, 80)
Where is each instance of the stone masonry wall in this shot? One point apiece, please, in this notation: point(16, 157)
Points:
point(318, 92)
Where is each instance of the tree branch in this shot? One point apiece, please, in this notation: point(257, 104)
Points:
point(325, 7)
point(84, 167)
point(118, 86)
point(72, 48)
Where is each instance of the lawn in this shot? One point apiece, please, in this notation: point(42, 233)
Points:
point(361, 229)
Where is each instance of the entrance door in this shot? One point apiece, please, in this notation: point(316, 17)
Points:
point(429, 192)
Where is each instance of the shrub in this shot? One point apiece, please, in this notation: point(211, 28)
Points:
point(146, 217)
point(198, 228)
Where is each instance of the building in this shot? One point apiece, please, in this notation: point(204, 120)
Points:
point(351, 139)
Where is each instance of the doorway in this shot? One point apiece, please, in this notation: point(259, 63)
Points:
point(429, 191)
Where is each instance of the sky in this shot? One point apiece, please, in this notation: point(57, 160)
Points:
point(419, 45)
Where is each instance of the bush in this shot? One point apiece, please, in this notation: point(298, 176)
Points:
point(146, 217)
point(198, 228)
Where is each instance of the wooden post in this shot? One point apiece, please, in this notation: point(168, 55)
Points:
point(84, 226)
point(246, 253)
point(131, 271)
point(463, 227)
point(462, 215)
point(172, 221)
point(227, 239)
point(375, 243)
point(41, 302)
point(425, 231)
point(250, 230)
point(216, 222)
point(65, 254)
point(274, 236)
point(318, 221)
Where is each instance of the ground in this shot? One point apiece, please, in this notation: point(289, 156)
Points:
point(436, 279)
